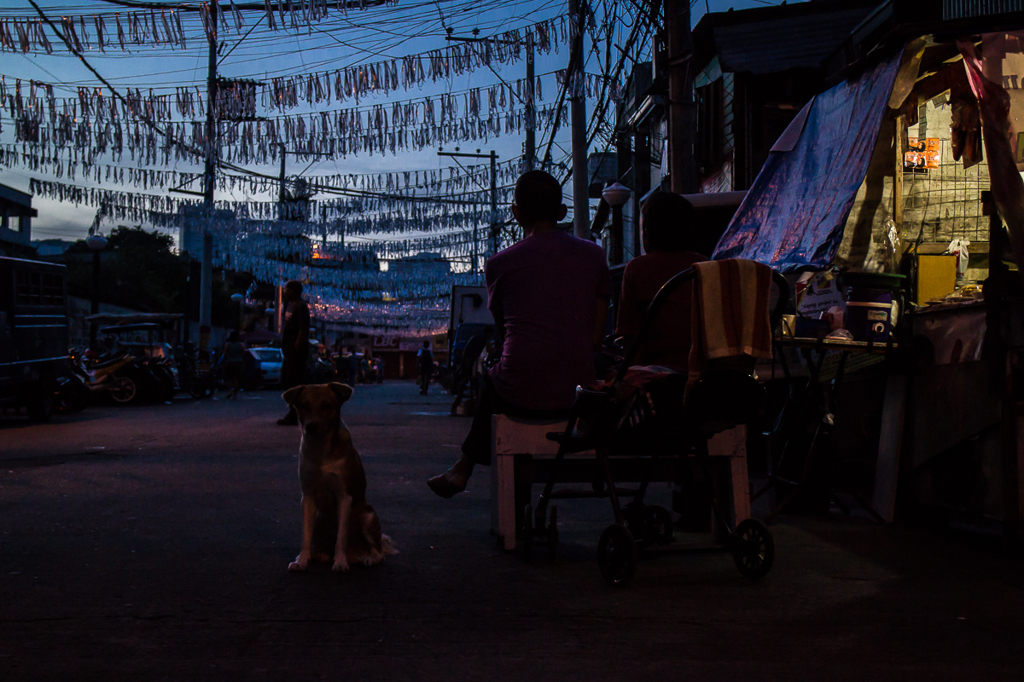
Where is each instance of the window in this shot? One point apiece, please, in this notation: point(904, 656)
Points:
point(710, 143)
point(35, 288)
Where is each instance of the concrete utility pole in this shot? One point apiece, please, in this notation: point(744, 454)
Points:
point(578, 116)
point(280, 191)
point(681, 115)
point(495, 225)
point(530, 148)
point(209, 182)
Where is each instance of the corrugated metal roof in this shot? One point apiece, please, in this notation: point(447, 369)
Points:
point(779, 44)
point(961, 9)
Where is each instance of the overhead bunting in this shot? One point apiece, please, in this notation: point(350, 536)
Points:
point(413, 71)
point(152, 27)
point(95, 125)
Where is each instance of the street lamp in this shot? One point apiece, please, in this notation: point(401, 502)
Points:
point(96, 243)
point(616, 194)
point(237, 299)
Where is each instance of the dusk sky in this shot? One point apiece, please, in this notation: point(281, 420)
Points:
point(338, 41)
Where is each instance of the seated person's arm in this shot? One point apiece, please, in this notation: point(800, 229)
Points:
point(497, 341)
point(627, 322)
point(600, 320)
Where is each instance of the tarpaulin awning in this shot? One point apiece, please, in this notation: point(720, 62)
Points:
point(793, 215)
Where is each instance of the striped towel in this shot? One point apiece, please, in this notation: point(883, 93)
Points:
point(730, 314)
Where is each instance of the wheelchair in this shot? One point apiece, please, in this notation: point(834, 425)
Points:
point(662, 421)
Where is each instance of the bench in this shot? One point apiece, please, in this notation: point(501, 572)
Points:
point(522, 455)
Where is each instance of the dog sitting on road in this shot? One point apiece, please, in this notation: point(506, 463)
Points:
point(336, 519)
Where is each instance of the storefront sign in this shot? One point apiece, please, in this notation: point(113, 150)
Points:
point(385, 343)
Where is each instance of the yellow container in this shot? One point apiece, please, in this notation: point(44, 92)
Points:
point(936, 277)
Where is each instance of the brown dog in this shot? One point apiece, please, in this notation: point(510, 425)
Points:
point(336, 518)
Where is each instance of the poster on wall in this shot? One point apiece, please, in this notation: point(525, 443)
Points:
point(922, 154)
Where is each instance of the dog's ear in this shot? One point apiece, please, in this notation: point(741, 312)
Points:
point(343, 391)
point(292, 394)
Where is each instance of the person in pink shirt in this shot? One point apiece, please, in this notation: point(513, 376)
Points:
point(549, 295)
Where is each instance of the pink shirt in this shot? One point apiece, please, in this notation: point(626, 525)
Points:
point(546, 288)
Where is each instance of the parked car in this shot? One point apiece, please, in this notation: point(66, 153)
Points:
point(269, 363)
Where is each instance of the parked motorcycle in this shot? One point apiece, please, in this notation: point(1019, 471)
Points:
point(71, 394)
point(115, 377)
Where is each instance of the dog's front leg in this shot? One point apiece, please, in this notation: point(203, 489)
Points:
point(308, 520)
point(344, 510)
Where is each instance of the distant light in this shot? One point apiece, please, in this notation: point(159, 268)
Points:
point(383, 266)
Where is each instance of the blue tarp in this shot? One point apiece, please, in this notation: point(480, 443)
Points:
point(793, 215)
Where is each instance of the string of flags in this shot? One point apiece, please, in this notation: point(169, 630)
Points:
point(371, 215)
point(94, 125)
point(453, 181)
point(152, 27)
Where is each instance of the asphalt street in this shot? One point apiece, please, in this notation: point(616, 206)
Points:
point(151, 543)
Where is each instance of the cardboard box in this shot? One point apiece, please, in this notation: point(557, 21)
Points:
point(936, 277)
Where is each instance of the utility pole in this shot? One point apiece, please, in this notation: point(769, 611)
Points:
point(495, 225)
point(530, 150)
point(280, 192)
point(578, 117)
point(209, 182)
point(495, 228)
point(681, 115)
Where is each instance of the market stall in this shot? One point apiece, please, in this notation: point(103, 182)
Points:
point(896, 200)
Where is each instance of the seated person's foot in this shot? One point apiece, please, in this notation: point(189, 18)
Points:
point(289, 420)
point(453, 481)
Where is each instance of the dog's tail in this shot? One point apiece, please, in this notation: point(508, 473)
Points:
point(387, 545)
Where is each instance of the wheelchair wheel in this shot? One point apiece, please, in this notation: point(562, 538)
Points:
point(658, 524)
point(633, 515)
point(616, 555)
point(526, 532)
point(755, 549)
point(552, 535)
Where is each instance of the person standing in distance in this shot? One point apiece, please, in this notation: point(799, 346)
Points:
point(425, 365)
point(294, 343)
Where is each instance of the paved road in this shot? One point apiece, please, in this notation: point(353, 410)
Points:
point(152, 543)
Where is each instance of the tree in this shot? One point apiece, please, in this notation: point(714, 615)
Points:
point(139, 270)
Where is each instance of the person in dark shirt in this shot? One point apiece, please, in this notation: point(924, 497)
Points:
point(234, 353)
point(549, 296)
point(425, 364)
point(294, 343)
point(667, 222)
